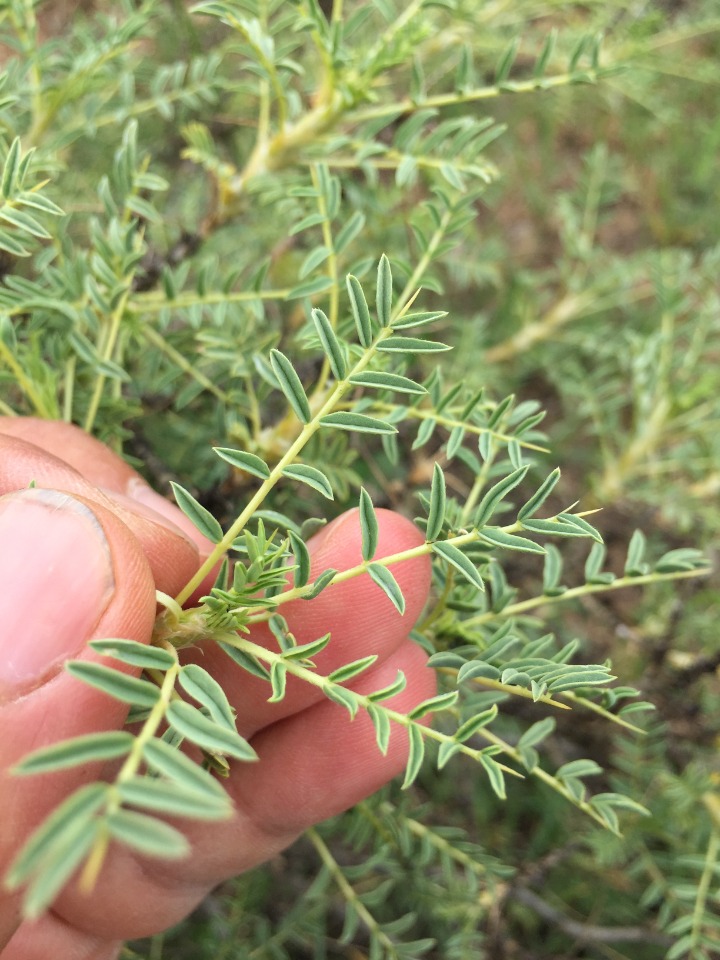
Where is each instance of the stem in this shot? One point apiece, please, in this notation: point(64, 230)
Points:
point(583, 590)
point(541, 774)
point(138, 108)
point(263, 125)
point(361, 701)
point(596, 708)
point(420, 551)
point(348, 891)
point(322, 683)
point(309, 429)
point(649, 428)
point(156, 301)
point(151, 334)
point(273, 79)
point(480, 480)
point(276, 153)
point(424, 832)
point(27, 34)
point(569, 307)
point(26, 385)
point(108, 348)
point(426, 259)
point(129, 768)
point(489, 92)
point(332, 264)
point(386, 38)
point(391, 160)
point(418, 413)
point(704, 887)
point(151, 725)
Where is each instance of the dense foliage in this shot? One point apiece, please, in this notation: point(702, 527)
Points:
point(301, 256)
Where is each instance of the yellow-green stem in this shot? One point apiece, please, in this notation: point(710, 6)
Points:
point(26, 385)
point(130, 767)
point(157, 339)
point(308, 431)
point(587, 588)
point(348, 891)
point(418, 413)
point(156, 301)
point(362, 701)
point(469, 96)
point(332, 272)
point(704, 887)
point(107, 352)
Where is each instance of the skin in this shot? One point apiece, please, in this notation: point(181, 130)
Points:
point(314, 762)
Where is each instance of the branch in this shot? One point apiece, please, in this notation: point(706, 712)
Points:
point(588, 932)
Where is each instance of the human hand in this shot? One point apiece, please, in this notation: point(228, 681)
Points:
point(81, 556)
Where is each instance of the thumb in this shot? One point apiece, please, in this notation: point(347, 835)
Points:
point(70, 571)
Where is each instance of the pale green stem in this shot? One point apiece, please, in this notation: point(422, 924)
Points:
point(322, 683)
point(420, 551)
point(152, 723)
point(557, 785)
point(620, 470)
point(308, 431)
point(138, 108)
point(130, 768)
point(677, 34)
point(263, 124)
point(414, 282)
point(479, 483)
point(27, 33)
point(273, 76)
point(362, 701)
point(587, 588)
point(588, 704)
point(437, 610)
point(592, 203)
point(348, 891)
point(107, 352)
point(392, 159)
point(26, 385)
point(282, 149)
point(704, 888)
point(52, 102)
point(570, 307)
point(461, 540)
point(419, 413)
point(155, 301)
point(386, 38)
point(469, 96)
point(512, 691)
point(151, 334)
point(332, 272)
point(426, 833)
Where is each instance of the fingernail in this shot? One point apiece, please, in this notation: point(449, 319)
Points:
point(56, 580)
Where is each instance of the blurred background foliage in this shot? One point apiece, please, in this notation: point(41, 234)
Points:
point(579, 265)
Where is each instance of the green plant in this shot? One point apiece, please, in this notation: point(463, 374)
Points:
point(146, 316)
